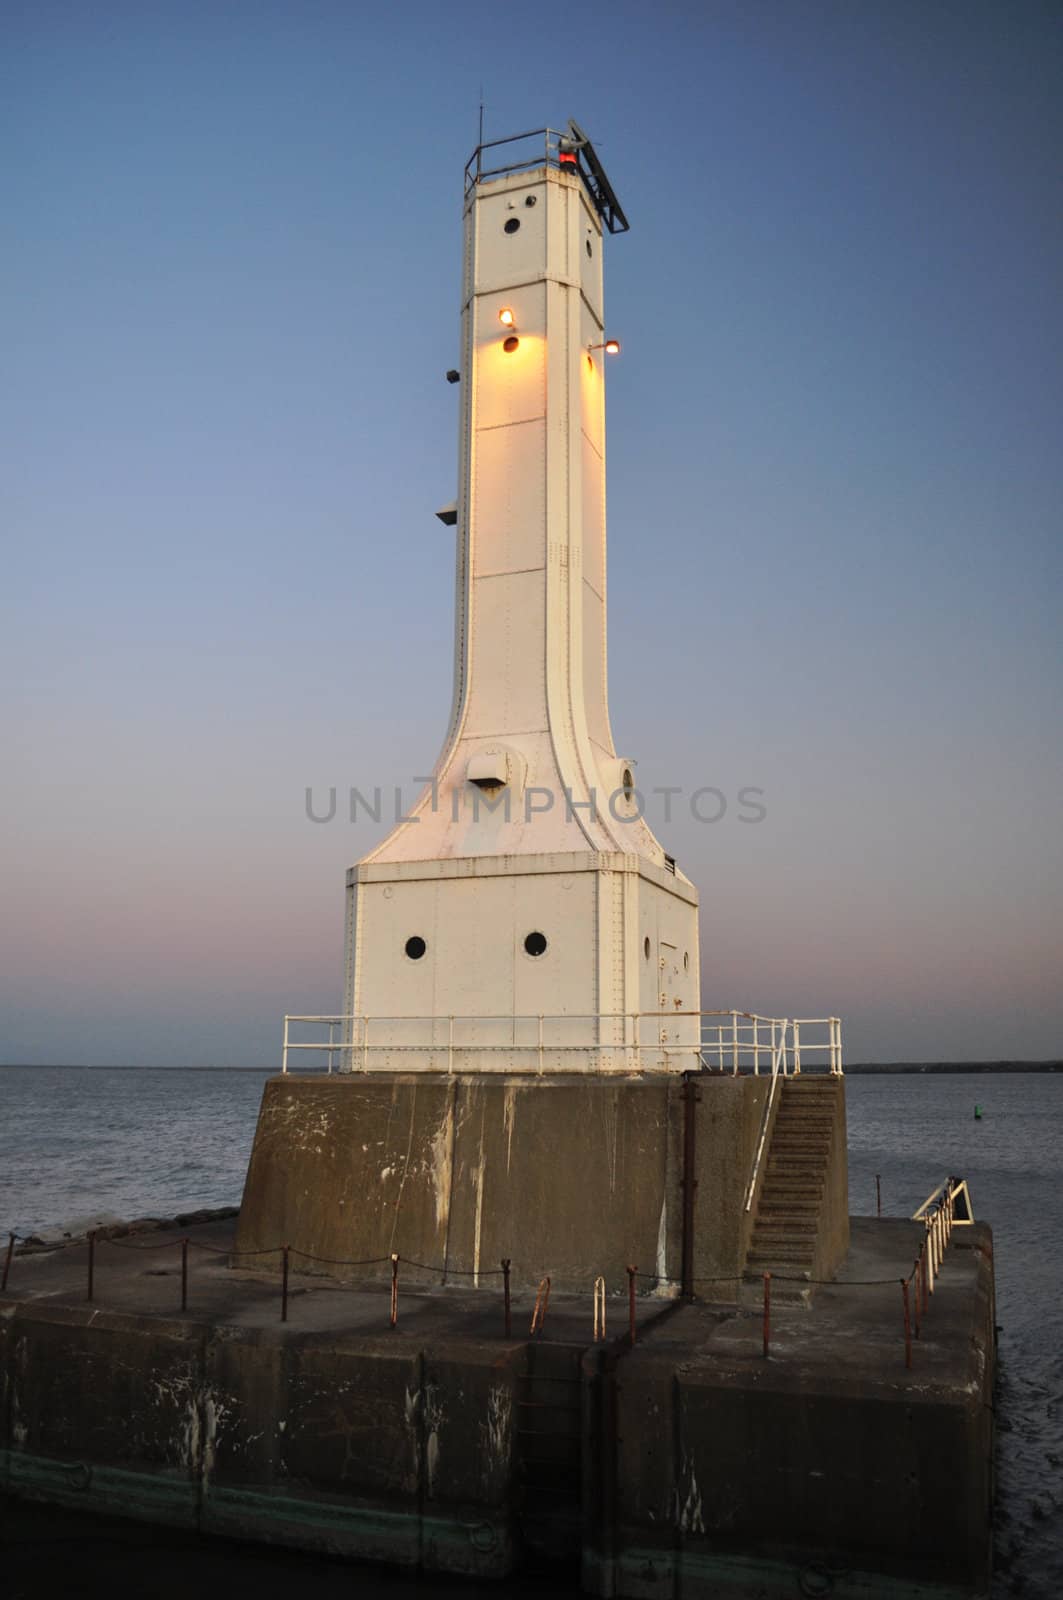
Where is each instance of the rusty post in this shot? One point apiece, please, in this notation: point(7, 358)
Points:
point(599, 1309)
point(907, 1325)
point(284, 1283)
point(184, 1274)
point(631, 1271)
point(878, 1195)
point(7, 1259)
point(767, 1314)
point(926, 1279)
point(918, 1292)
point(506, 1299)
point(542, 1300)
point(92, 1263)
point(690, 1100)
point(394, 1290)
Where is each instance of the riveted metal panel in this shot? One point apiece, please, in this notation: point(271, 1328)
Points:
point(510, 257)
point(509, 499)
point(508, 689)
point(511, 385)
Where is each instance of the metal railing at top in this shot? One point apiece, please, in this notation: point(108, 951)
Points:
point(658, 1041)
point(543, 153)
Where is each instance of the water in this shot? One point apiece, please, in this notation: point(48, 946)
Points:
point(914, 1130)
point(80, 1141)
point(135, 1143)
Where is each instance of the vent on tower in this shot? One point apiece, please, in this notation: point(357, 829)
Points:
point(488, 769)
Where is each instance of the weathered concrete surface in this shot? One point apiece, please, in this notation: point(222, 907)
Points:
point(832, 1235)
point(346, 1437)
point(569, 1176)
point(686, 1464)
point(829, 1468)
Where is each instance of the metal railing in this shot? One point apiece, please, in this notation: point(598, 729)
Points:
point(650, 1041)
point(948, 1207)
point(543, 153)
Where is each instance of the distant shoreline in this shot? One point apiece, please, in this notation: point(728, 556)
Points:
point(954, 1066)
point(856, 1069)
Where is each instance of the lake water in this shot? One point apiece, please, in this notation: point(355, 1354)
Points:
point(78, 1143)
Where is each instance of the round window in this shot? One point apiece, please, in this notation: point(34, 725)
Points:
point(530, 201)
point(415, 947)
point(510, 344)
point(535, 944)
point(590, 252)
point(512, 225)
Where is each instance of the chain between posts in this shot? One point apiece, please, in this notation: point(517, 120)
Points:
point(917, 1288)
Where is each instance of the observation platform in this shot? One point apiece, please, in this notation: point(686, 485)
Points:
point(709, 1454)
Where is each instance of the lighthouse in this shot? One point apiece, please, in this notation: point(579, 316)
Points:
point(524, 911)
point(515, 1081)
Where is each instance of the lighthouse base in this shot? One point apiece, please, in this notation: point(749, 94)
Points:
point(692, 1459)
point(571, 1177)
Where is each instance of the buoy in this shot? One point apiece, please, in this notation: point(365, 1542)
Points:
point(978, 1113)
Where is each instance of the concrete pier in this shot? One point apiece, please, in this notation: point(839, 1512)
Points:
point(569, 1175)
point(687, 1464)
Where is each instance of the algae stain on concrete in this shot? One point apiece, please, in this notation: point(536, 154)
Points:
point(495, 1432)
point(481, 1166)
point(406, 1159)
point(434, 1418)
point(509, 1117)
point(612, 1121)
point(442, 1163)
point(688, 1500)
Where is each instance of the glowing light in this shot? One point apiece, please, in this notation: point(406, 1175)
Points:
point(506, 318)
point(612, 347)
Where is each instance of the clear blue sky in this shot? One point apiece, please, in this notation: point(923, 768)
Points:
point(230, 281)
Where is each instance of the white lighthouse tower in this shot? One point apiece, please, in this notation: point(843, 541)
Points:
point(525, 911)
point(522, 1047)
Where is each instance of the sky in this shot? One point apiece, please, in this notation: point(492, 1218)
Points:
point(230, 285)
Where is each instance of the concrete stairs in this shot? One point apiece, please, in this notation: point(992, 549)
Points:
point(792, 1195)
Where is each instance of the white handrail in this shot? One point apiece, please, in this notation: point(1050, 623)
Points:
point(724, 1041)
point(763, 1136)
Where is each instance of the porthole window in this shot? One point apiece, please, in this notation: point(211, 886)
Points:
point(415, 947)
point(535, 944)
point(646, 947)
point(512, 225)
point(510, 344)
point(590, 252)
point(530, 200)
